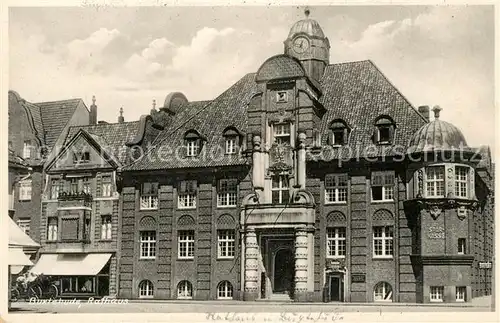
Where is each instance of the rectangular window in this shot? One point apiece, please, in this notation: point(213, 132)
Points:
point(226, 243)
point(106, 186)
point(24, 224)
point(25, 190)
point(231, 145)
point(437, 293)
point(106, 226)
point(382, 186)
point(187, 194)
point(434, 181)
point(27, 149)
point(73, 185)
point(227, 192)
point(336, 242)
point(192, 147)
point(339, 137)
point(148, 244)
point(52, 229)
point(280, 190)
point(335, 188)
point(460, 293)
point(384, 134)
point(282, 133)
point(149, 196)
point(56, 187)
point(69, 229)
point(81, 157)
point(86, 185)
point(186, 244)
point(383, 242)
point(462, 247)
point(461, 175)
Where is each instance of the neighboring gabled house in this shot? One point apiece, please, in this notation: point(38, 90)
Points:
point(80, 207)
point(35, 131)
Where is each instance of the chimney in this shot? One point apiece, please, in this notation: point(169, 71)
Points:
point(424, 110)
point(121, 119)
point(93, 112)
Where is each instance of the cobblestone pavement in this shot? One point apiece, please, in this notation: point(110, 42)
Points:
point(83, 306)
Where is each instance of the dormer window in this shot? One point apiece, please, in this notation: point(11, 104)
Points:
point(28, 149)
point(232, 140)
point(339, 133)
point(192, 142)
point(384, 130)
point(282, 133)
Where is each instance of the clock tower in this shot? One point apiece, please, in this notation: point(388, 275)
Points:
point(307, 42)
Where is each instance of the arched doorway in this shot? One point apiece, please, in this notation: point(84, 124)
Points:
point(284, 271)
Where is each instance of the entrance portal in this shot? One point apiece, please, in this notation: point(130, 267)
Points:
point(336, 287)
point(284, 271)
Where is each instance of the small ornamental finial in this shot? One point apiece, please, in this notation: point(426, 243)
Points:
point(307, 12)
point(93, 99)
point(154, 104)
point(436, 111)
point(121, 112)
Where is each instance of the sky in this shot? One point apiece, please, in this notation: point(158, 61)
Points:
point(129, 56)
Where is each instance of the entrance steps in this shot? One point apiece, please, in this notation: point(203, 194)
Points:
point(276, 298)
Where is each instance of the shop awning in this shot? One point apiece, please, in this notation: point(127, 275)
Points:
point(17, 257)
point(71, 264)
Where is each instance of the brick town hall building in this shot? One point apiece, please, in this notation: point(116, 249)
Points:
point(306, 180)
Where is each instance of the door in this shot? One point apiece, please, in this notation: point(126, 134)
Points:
point(336, 288)
point(284, 271)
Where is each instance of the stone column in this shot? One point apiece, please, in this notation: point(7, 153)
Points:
point(301, 161)
point(301, 265)
point(251, 291)
point(257, 164)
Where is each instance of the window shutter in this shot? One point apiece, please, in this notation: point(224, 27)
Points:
point(391, 133)
point(376, 135)
point(182, 187)
point(346, 136)
point(331, 139)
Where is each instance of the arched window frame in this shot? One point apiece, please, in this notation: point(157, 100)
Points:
point(339, 133)
point(146, 289)
point(385, 129)
point(184, 290)
point(382, 292)
point(225, 290)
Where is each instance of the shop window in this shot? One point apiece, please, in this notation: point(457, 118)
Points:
point(146, 289)
point(25, 190)
point(148, 244)
point(226, 243)
point(336, 242)
point(280, 189)
point(382, 292)
point(225, 290)
point(227, 192)
point(436, 293)
point(78, 284)
point(186, 194)
point(461, 181)
point(186, 244)
point(383, 244)
point(52, 229)
point(336, 188)
point(462, 246)
point(460, 293)
point(149, 196)
point(382, 186)
point(184, 290)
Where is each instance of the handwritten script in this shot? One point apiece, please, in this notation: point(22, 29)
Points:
point(290, 317)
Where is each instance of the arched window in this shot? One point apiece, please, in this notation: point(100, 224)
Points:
point(225, 290)
point(339, 133)
point(384, 130)
point(146, 289)
point(184, 290)
point(382, 292)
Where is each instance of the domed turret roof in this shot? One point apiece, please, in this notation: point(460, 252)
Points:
point(308, 26)
point(437, 135)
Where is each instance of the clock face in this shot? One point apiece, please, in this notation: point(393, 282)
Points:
point(300, 45)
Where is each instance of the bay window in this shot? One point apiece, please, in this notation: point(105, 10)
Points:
point(461, 180)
